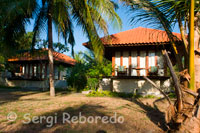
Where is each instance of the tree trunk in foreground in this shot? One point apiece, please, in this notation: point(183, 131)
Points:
point(197, 49)
point(184, 116)
point(50, 55)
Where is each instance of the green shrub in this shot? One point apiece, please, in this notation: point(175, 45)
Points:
point(76, 77)
point(88, 72)
point(172, 95)
point(109, 94)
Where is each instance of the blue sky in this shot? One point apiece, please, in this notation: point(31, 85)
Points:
point(81, 38)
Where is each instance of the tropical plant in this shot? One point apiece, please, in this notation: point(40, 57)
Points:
point(96, 70)
point(88, 72)
point(58, 46)
point(165, 14)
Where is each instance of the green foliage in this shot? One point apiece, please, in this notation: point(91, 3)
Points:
point(88, 72)
point(58, 46)
point(117, 94)
point(24, 42)
point(172, 95)
point(76, 77)
point(109, 94)
point(2, 63)
point(97, 71)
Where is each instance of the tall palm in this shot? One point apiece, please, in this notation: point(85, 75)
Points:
point(90, 15)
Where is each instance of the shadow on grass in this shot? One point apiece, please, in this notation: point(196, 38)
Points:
point(11, 94)
point(59, 125)
point(153, 113)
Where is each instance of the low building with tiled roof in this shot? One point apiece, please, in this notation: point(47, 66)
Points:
point(136, 53)
point(31, 69)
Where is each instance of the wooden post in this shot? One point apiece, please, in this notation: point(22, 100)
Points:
point(28, 70)
point(121, 59)
point(129, 63)
point(138, 63)
point(46, 71)
point(113, 63)
point(33, 70)
point(25, 69)
point(37, 70)
point(156, 58)
point(59, 75)
point(41, 70)
point(147, 62)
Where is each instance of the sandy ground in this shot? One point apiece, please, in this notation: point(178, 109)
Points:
point(40, 110)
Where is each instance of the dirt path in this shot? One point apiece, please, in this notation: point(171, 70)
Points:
point(140, 115)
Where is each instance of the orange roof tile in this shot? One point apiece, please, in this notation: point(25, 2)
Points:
point(41, 55)
point(137, 36)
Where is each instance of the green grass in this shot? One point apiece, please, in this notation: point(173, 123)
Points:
point(117, 94)
point(109, 94)
point(172, 95)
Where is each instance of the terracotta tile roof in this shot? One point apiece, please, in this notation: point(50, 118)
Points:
point(136, 37)
point(42, 55)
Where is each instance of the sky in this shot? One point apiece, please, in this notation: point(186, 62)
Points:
point(80, 38)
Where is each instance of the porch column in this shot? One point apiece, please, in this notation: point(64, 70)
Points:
point(33, 73)
point(113, 63)
point(147, 62)
point(28, 70)
point(59, 75)
point(156, 58)
point(25, 69)
point(129, 63)
point(37, 70)
point(138, 63)
point(41, 70)
point(45, 70)
point(121, 59)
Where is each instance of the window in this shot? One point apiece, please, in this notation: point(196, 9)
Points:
point(140, 62)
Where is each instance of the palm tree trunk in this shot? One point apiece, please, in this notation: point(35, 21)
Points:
point(191, 48)
point(50, 54)
point(197, 48)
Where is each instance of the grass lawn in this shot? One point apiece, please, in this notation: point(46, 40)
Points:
point(140, 115)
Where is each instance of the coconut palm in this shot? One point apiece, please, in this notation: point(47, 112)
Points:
point(165, 14)
point(13, 18)
point(91, 15)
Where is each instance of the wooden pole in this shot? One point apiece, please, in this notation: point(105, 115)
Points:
point(191, 48)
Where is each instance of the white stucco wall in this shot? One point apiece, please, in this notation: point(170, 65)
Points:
point(135, 85)
point(32, 84)
point(105, 84)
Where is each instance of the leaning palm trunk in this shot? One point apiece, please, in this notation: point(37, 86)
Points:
point(197, 49)
point(50, 55)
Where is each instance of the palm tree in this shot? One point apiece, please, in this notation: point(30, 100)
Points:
point(164, 14)
point(91, 15)
point(87, 14)
point(12, 12)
